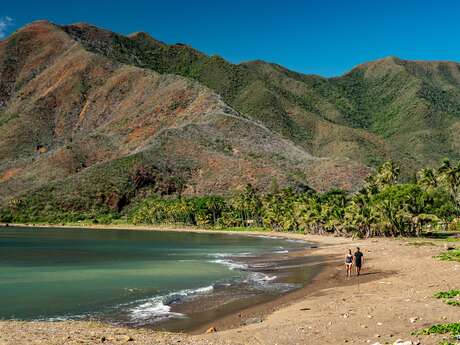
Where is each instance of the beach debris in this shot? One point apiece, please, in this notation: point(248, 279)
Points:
point(370, 316)
point(413, 319)
point(305, 309)
point(346, 316)
point(211, 330)
point(379, 324)
point(377, 343)
point(377, 336)
point(449, 246)
point(252, 320)
point(102, 339)
point(402, 342)
point(126, 338)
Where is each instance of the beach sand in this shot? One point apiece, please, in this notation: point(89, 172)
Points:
point(391, 299)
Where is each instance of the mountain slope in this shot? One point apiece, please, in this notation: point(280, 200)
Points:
point(81, 131)
point(388, 109)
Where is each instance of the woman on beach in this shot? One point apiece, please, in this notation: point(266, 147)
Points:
point(349, 262)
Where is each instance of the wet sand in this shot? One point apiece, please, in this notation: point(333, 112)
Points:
point(231, 306)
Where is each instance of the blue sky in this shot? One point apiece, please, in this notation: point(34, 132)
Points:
point(326, 37)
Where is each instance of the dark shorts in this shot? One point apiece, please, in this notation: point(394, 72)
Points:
point(358, 264)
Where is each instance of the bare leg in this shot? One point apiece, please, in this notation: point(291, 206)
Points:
point(358, 270)
point(348, 270)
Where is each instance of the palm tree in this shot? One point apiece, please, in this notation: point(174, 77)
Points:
point(387, 174)
point(360, 215)
point(450, 174)
point(428, 178)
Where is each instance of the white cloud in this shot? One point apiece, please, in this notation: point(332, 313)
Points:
point(5, 23)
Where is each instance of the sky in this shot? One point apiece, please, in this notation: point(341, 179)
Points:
point(326, 37)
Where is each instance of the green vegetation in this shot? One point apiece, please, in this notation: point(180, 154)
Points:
point(453, 303)
point(450, 255)
point(383, 207)
point(447, 294)
point(444, 328)
point(453, 329)
point(448, 297)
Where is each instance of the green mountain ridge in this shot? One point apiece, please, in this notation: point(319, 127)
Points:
point(406, 103)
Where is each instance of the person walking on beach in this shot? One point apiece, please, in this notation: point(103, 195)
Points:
point(349, 262)
point(359, 260)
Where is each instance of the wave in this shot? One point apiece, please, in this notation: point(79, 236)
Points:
point(232, 255)
point(297, 241)
point(158, 308)
point(154, 310)
point(231, 264)
point(281, 250)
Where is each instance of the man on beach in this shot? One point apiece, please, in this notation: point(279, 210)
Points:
point(359, 259)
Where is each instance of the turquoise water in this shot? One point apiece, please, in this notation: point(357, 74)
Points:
point(119, 275)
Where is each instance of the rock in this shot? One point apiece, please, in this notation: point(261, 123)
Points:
point(102, 339)
point(346, 316)
point(252, 320)
point(377, 336)
point(402, 342)
point(379, 324)
point(377, 343)
point(413, 319)
point(127, 338)
point(449, 246)
point(211, 330)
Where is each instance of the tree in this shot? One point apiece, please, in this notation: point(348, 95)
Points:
point(247, 206)
point(450, 175)
point(360, 216)
point(428, 178)
point(387, 174)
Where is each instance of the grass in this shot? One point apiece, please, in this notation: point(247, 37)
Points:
point(451, 255)
point(453, 303)
point(442, 328)
point(448, 296)
point(453, 239)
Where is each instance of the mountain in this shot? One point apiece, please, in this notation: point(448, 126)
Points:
point(387, 109)
point(91, 119)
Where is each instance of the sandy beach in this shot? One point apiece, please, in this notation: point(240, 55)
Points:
point(390, 300)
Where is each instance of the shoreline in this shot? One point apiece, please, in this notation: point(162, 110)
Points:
point(160, 227)
point(392, 299)
point(238, 316)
